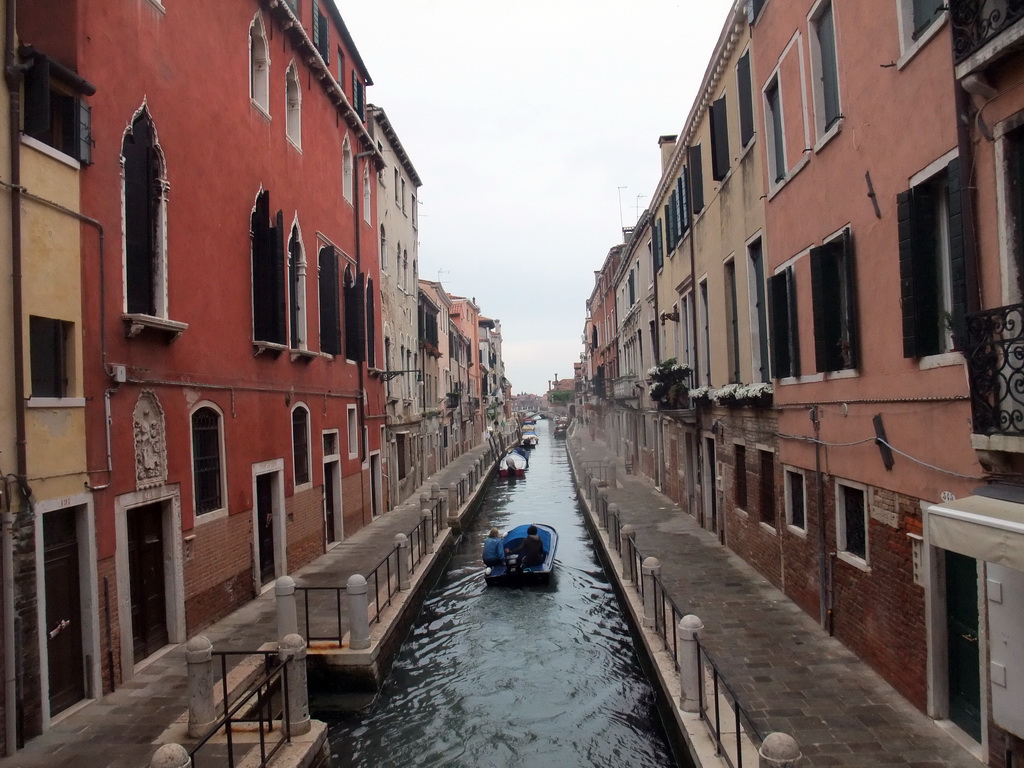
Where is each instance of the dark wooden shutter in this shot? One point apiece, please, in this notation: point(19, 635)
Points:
point(293, 287)
point(793, 341)
point(359, 294)
point(371, 325)
point(37, 99)
point(140, 217)
point(677, 225)
point(277, 281)
point(778, 318)
point(745, 99)
point(684, 210)
point(353, 310)
point(659, 256)
point(719, 140)
point(831, 265)
point(83, 132)
point(314, 20)
point(262, 257)
point(908, 299)
point(330, 330)
point(957, 253)
point(696, 180)
point(852, 340)
point(829, 68)
point(915, 215)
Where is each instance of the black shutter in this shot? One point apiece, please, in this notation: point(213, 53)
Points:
point(277, 282)
point(324, 41)
point(37, 99)
point(719, 140)
point(83, 132)
point(293, 288)
point(684, 211)
point(696, 180)
point(852, 320)
point(826, 295)
point(659, 256)
point(908, 299)
point(745, 99)
point(330, 321)
point(359, 313)
point(755, 10)
point(778, 319)
point(314, 20)
point(957, 253)
point(371, 325)
point(793, 341)
point(351, 319)
point(262, 257)
point(140, 218)
point(915, 213)
point(669, 229)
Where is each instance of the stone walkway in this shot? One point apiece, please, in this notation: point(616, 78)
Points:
point(789, 675)
point(122, 729)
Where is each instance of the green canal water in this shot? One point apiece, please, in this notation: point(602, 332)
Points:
point(492, 676)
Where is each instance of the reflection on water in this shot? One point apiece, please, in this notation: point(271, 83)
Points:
point(491, 676)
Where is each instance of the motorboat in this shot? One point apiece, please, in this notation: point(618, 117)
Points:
point(512, 572)
point(561, 427)
point(514, 463)
point(529, 438)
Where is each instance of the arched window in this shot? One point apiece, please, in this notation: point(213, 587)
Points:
point(293, 106)
point(300, 444)
point(297, 289)
point(207, 460)
point(259, 64)
point(366, 191)
point(346, 170)
point(145, 219)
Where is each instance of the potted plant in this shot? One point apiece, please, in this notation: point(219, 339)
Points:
point(701, 397)
point(669, 383)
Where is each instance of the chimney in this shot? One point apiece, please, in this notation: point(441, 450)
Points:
point(667, 144)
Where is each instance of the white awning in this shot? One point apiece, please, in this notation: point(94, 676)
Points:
point(981, 527)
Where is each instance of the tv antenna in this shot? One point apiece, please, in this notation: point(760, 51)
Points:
point(622, 225)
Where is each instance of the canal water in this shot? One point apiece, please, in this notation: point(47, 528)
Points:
point(492, 676)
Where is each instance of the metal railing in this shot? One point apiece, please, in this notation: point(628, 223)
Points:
point(994, 351)
point(741, 720)
point(258, 698)
point(976, 22)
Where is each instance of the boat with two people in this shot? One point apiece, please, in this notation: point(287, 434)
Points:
point(525, 562)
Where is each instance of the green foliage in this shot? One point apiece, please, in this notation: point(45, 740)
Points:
point(562, 396)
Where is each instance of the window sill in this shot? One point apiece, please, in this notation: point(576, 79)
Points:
point(295, 145)
point(741, 512)
point(51, 152)
point(274, 350)
point(261, 109)
point(300, 487)
point(55, 402)
point(811, 378)
point(856, 562)
point(209, 517)
point(846, 373)
point(796, 530)
point(790, 175)
point(943, 360)
point(303, 355)
point(830, 134)
point(768, 528)
point(134, 324)
point(909, 52)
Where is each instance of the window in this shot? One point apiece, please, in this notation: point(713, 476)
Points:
point(796, 504)
point(371, 328)
point(51, 355)
point(824, 67)
point(696, 179)
point(321, 33)
point(766, 500)
point(396, 185)
point(933, 292)
point(366, 192)
point(851, 520)
point(353, 432)
point(740, 484)
point(745, 99)
point(383, 251)
point(776, 136)
point(354, 316)
point(294, 5)
point(732, 318)
point(347, 166)
point(403, 195)
point(719, 139)
point(268, 288)
point(761, 370)
point(1013, 177)
point(259, 64)
point(330, 311)
point(300, 444)
point(145, 217)
point(54, 113)
point(297, 289)
point(358, 94)
point(705, 334)
point(207, 480)
point(656, 247)
point(785, 341)
point(925, 12)
point(834, 304)
point(293, 106)
point(341, 69)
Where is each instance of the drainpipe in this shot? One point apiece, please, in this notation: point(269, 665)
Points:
point(824, 608)
point(14, 73)
point(699, 447)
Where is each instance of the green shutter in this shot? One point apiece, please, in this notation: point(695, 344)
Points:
point(778, 318)
point(957, 253)
point(83, 132)
point(684, 212)
point(908, 300)
point(719, 140)
point(315, 22)
point(745, 99)
point(330, 332)
point(696, 180)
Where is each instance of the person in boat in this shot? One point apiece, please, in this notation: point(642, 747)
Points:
point(531, 550)
point(493, 548)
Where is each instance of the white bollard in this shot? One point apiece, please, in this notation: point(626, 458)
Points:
point(201, 712)
point(611, 511)
point(404, 560)
point(424, 499)
point(287, 613)
point(626, 534)
point(453, 499)
point(464, 488)
point(779, 750)
point(358, 613)
point(170, 756)
point(602, 503)
point(650, 570)
point(428, 528)
point(610, 474)
point(293, 650)
point(688, 633)
point(435, 491)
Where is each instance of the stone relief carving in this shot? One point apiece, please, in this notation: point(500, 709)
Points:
point(150, 441)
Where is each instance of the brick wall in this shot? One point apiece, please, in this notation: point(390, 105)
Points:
point(218, 570)
point(355, 490)
point(305, 526)
point(110, 631)
point(26, 608)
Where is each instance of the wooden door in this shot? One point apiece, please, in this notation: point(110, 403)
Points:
point(962, 628)
point(265, 525)
point(63, 610)
point(329, 501)
point(148, 588)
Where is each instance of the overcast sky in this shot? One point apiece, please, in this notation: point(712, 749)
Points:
point(528, 122)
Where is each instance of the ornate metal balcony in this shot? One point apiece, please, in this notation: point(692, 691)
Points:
point(976, 22)
point(995, 369)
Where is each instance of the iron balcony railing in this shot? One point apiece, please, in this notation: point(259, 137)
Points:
point(994, 350)
point(976, 22)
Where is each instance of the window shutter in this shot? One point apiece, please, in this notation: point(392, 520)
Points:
point(696, 180)
point(919, 271)
point(330, 332)
point(677, 227)
point(793, 341)
point(83, 132)
point(314, 20)
point(845, 243)
point(826, 292)
point(359, 313)
point(719, 140)
point(908, 301)
point(957, 253)
point(684, 212)
point(261, 261)
point(829, 68)
point(745, 99)
point(293, 289)
point(277, 282)
point(669, 228)
point(659, 254)
point(371, 326)
point(140, 218)
point(37, 99)
point(755, 10)
point(778, 317)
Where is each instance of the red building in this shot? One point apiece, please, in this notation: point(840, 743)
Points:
point(231, 300)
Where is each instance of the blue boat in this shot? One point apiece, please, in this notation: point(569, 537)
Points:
point(511, 573)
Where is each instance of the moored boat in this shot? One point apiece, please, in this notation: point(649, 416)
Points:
point(512, 572)
point(514, 463)
point(529, 438)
